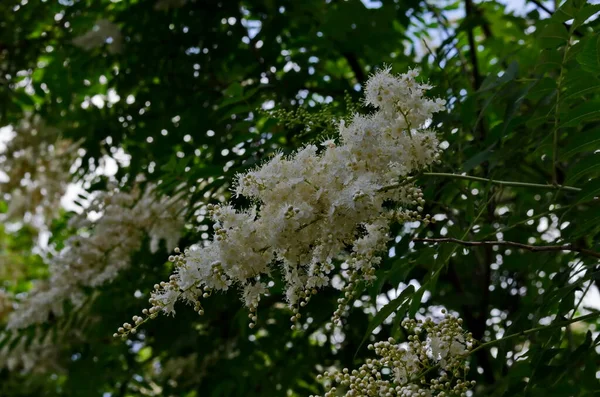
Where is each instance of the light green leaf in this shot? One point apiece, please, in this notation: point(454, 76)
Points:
point(584, 14)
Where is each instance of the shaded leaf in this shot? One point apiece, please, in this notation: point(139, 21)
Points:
point(553, 35)
point(589, 57)
point(586, 112)
point(583, 168)
point(386, 311)
point(584, 141)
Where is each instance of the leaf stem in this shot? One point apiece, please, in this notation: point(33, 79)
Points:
point(533, 248)
point(503, 183)
point(556, 109)
point(558, 324)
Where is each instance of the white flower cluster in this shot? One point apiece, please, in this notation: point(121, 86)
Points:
point(5, 304)
point(433, 364)
point(40, 354)
point(101, 248)
point(36, 162)
point(103, 32)
point(310, 207)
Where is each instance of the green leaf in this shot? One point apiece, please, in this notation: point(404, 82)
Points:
point(566, 12)
point(241, 108)
point(386, 311)
point(578, 85)
point(415, 303)
point(584, 14)
point(549, 60)
point(492, 81)
point(553, 35)
point(589, 58)
point(590, 190)
point(583, 141)
point(513, 106)
point(583, 168)
point(543, 88)
point(566, 302)
point(586, 112)
point(586, 223)
point(234, 90)
point(477, 159)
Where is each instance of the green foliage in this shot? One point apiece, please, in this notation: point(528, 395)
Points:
point(524, 105)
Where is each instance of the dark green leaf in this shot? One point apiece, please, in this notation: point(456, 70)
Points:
point(583, 113)
point(589, 57)
point(583, 141)
point(553, 35)
point(386, 311)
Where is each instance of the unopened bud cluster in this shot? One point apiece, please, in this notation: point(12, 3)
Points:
point(318, 206)
point(433, 362)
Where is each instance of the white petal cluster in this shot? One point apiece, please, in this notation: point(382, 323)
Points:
point(36, 162)
point(101, 248)
point(5, 304)
point(103, 32)
point(433, 364)
point(312, 207)
point(19, 353)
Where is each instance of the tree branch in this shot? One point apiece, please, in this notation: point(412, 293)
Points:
point(532, 248)
point(355, 66)
point(541, 6)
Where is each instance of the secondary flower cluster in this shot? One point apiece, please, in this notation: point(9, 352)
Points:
point(432, 363)
point(38, 354)
point(103, 32)
point(310, 207)
point(102, 248)
point(36, 162)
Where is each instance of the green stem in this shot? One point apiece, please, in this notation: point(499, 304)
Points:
point(503, 183)
point(556, 108)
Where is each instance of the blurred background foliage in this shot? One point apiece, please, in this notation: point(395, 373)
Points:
point(178, 91)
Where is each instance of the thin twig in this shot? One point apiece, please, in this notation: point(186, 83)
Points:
point(542, 7)
point(533, 248)
point(557, 324)
point(504, 183)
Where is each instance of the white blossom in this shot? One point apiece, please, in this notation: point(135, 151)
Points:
point(423, 366)
point(312, 205)
point(101, 249)
point(103, 32)
point(35, 164)
point(38, 354)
